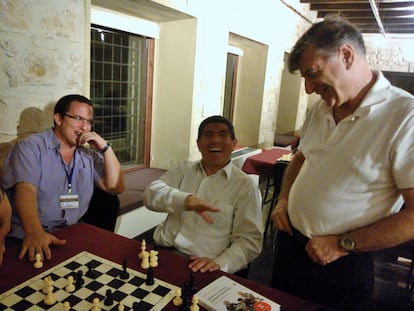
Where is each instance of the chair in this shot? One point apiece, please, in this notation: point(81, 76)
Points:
point(273, 183)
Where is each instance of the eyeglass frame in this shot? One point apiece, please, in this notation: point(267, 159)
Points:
point(77, 118)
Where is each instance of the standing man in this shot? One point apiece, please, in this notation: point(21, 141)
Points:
point(343, 191)
point(214, 209)
point(50, 176)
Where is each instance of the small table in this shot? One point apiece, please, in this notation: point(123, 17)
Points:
point(263, 163)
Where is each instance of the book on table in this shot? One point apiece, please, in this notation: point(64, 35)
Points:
point(225, 294)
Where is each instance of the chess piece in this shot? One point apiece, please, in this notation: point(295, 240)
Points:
point(145, 261)
point(70, 286)
point(47, 283)
point(153, 255)
point(120, 307)
point(50, 297)
point(79, 279)
point(150, 277)
point(66, 306)
point(194, 304)
point(91, 273)
point(143, 249)
point(108, 299)
point(124, 274)
point(95, 304)
point(177, 301)
point(38, 261)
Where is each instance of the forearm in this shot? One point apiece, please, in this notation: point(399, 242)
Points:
point(161, 197)
point(26, 206)
point(290, 175)
point(113, 181)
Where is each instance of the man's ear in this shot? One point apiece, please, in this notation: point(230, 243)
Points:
point(347, 54)
point(234, 143)
point(57, 118)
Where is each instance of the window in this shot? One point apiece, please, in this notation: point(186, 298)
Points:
point(120, 77)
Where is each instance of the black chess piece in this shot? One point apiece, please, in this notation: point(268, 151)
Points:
point(124, 274)
point(150, 276)
point(79, 279)
point(108, 299)
point(135, 306)
point(91, 273)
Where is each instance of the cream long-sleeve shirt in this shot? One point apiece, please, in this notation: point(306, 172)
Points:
point(234, 239)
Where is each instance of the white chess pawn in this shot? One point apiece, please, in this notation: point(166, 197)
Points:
point(38, 261)
point(177, 301)
point(66, 306)
point(153, 258)
point(50, 297)
point(95, 304)
point(120, 307)
point(143, 249)
point(70, 287)
point(194, 306)
point(145, 261)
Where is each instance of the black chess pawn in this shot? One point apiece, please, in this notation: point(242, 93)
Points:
point(108, 299)
point(124, 274)
point(135, 306)
point(91, 273)
point(79, 279)
point(150, 277)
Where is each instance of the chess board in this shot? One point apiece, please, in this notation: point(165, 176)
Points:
point(29, 295)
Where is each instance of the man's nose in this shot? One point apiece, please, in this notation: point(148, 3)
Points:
point(309, 86)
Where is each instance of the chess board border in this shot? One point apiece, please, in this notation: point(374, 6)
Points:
point(158, 307)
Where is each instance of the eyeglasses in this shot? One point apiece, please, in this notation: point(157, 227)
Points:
point(90, 122)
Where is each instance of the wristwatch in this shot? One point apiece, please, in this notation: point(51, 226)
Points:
point(347, 243)
point(105, 148)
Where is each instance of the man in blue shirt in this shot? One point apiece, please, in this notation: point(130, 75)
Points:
point(50, 176)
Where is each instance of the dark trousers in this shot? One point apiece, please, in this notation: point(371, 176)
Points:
point(345, 284)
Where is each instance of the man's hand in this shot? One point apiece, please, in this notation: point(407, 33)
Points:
point(93, 139)
point(280, 217)
point(193, 203)
point(203, 264)
point(324, 249)
point(39, 244)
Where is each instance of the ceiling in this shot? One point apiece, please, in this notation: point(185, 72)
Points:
point(396, 16)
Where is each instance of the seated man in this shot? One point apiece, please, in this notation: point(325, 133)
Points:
point(214, 209)
point(50, 176)
point(5, 214)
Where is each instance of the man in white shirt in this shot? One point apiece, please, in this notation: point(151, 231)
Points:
point(214, 209)
point(342, 193)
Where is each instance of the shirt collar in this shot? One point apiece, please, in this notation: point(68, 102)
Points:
point(226, 170)
point(53, 142)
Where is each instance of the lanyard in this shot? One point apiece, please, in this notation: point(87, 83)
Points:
point(69, 174)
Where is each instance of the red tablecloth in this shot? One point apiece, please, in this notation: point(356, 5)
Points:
point(172, 267)
point(262, 164)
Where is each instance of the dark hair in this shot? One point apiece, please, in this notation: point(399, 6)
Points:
point(327, 35)
point(216, 119)
point(63, 104)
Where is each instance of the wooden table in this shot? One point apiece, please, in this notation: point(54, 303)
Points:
point(172, 267)
point(263, 163)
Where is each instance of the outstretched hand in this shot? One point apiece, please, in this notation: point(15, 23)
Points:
point(39, 244)
point(203, 264)
point(195, 204)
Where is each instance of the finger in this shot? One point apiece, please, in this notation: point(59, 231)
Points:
point(58, 242)
point(47, 252)
point(206, 217)
point(23, 252)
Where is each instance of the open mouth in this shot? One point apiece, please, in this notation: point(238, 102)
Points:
point(214, 150)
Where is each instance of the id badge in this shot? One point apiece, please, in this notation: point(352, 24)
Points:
point(69, 201)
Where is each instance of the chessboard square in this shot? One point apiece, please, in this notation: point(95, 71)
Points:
point(144, 306)
point(129, 300)
point(104, 279)
point(37, 285)
point(10, 300)
point(93, 263)
point(25, 291)
point(22, 305)
point(44, 306)
point(61, 283)
point(73, 265)
point(61, 294)
point(139, 293)
point(116, 283)
point(152, 298)
point(94, 286)
point(114, 272)
point(95, 295)
point(118, 295)
point(127, 288)
point(73, 300)
point(137, 281)
point(56, 307)
point(36, 297)
point(161, 290)
point(83, 292)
